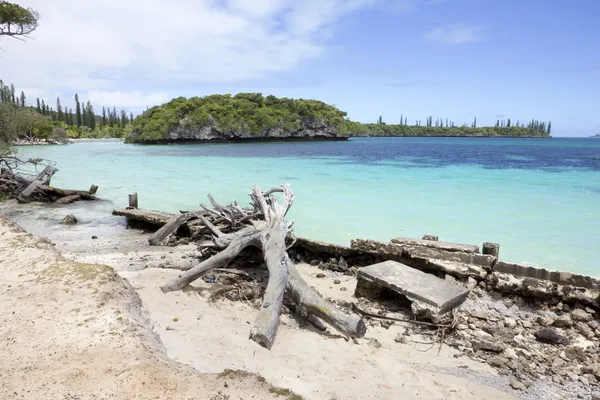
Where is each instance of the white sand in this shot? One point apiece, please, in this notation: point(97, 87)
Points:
point(74, 331)
point(213, 337)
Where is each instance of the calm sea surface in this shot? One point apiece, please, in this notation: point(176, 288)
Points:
point(540, 199)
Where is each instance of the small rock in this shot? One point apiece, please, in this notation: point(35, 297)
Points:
point(386, 324)
point(594, 324)
point(69, 220)
point(527, 324)
point(343, 289)
point(580, 315)
point(471, 283)
point(480, 314)
point(584, 380)
point(596, 373)
point(585, 330)
point(518, 385)
point(545, 320)
point(320, 275)
point(566, 307)
point(558, 362)
point(315, 263)
point(450, 278)
point(374, 343)
point(343, 265)
point(497, 361)
point(496, 347)
point(430, 237)
point(550, 336)
point(590, 311)
point(337, 281)
point(400, 338)
point(510, 322)
point(510, 353)
point(94, 237)
point(564, 321)
point(557, 379)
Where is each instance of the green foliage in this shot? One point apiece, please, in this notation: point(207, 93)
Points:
point(357, 129)
point(17, 21)
point(248, 113)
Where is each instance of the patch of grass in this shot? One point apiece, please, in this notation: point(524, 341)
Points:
point(285, 392)
point(72, 272)
point(272, 389)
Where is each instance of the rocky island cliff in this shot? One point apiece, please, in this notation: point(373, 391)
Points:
point(243, 117)
point(254, 117)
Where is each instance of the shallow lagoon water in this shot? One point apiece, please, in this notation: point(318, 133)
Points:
point(538, 198)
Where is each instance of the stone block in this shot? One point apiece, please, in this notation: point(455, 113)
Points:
point(415, 285)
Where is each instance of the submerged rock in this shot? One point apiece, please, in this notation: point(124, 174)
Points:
point(69, 220)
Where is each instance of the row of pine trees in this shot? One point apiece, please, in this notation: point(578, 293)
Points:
point(84, 114)
point(533, 125)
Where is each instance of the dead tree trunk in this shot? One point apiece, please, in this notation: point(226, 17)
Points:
point(264, 226)
point(43, 178)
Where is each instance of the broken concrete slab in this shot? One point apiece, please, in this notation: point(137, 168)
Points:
point(415, 285)
point(466, 248)
point(459, 270)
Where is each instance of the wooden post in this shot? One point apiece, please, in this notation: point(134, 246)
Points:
point(492, 249)
point(430, 237)
point(93, 189)
point(133, 200)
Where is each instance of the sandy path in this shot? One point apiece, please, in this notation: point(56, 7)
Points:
point(78, 331)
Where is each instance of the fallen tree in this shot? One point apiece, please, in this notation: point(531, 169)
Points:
point(234, 229)
point(26, 186)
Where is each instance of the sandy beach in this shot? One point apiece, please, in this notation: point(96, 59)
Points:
point(109, 321)
point(120, 311)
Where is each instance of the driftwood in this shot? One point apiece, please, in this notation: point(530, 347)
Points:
point(262, 226)
point(43, 178)
point(24, 187)
point(170, 227)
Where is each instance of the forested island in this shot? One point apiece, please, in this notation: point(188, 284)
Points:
point(242, 117)
point(252, 116)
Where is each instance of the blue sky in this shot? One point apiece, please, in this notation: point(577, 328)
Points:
point(446, 58)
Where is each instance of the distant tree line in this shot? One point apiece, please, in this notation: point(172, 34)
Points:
point(446, 127)
point(82, 123)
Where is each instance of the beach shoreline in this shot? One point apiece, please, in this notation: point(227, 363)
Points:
point(322, 368)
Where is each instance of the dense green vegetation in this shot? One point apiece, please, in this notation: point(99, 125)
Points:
point(448, 128)
point(254, 115)
point(16, 21)
point(21, 121)
point(247, 113)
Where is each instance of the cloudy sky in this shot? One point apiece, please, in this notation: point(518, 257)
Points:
point(447, 58)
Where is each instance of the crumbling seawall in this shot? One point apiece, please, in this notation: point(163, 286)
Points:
point(456, 261)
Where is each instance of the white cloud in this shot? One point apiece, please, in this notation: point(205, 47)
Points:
point(127, 99)
point(455, 34)
point(102, 46)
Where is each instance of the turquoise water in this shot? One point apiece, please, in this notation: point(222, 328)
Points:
point(538, 198)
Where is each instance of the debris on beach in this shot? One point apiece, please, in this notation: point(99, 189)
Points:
point(26, 187)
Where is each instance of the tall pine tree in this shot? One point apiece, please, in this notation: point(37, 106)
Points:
point(59, 109)
point(22, 99)
point(39, 107)
point(78, 109)
point(103, 123)
point(90, 115)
